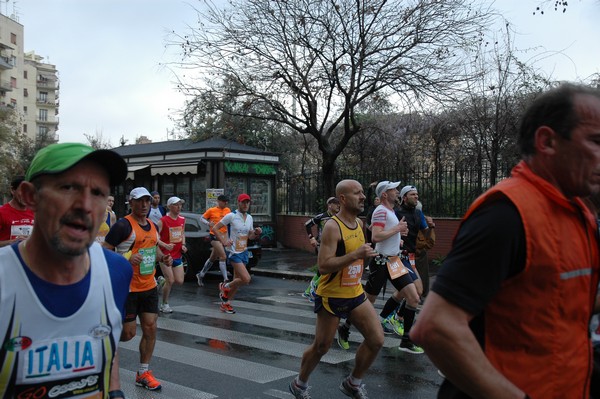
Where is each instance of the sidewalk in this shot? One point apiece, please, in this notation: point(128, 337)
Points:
point(294, 264)
point(286, 263)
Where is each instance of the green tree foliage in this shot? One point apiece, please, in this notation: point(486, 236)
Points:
point(15, 149)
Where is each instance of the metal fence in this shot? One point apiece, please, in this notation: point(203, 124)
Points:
point(444, 191)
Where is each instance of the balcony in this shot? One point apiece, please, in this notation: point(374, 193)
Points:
point(46, 102)
point(46, 121)
point(5, 63)
point(5, 86)
point(7, 106)
point(47, 84)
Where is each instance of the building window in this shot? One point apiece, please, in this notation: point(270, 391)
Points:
point(25, 93)
point(198, 198)
point(42, 131)
point(13, 82)
point(43, 115)
point(182, 190)
point(24, 128)
point(259, 189)
point(43, 96)
point(13, 61)
point(168, 188)
point(25, 110)
point(260, 192)
point(24, 74)
point(13, 38)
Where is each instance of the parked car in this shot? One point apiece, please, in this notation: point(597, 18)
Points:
point(197, 239)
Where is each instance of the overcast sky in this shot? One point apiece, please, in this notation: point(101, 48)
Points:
point(108, 53)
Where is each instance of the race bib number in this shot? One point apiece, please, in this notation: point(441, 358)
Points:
point(175, 234)
point(148, 260)
point(351, 274)
point(20, 231)
point(396, 268)
point(241, 243)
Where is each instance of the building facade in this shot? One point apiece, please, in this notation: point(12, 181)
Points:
point(28, 85)
point(190, 170)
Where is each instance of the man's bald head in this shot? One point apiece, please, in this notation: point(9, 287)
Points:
point(351, 196)
point(344, 186)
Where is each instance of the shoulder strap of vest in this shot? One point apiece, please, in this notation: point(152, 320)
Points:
point(341, 245)
point(229, 225)
point(130, 220)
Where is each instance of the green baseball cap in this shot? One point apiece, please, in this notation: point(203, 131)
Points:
point(57, 158)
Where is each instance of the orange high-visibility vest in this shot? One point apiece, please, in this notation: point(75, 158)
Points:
point(536, 327)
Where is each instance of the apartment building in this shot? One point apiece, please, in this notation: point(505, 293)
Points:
point(28, 85)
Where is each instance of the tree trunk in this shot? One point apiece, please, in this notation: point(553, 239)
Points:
point(329, 182)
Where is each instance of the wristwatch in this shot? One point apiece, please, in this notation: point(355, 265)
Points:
point(116, 394)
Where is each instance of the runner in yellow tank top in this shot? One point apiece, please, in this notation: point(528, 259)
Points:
point(340, 294)
point(345, 283)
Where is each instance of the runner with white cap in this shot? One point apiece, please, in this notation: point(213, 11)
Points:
point(171, 228)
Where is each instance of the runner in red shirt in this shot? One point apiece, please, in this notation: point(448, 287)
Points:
point(172, 241)
point(16, 221)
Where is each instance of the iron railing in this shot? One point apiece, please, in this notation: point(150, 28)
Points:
point(445, 191)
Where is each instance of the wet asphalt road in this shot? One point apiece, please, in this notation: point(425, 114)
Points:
point(204, 353)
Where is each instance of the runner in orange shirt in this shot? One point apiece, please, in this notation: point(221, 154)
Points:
point(136, 237)
point(211, 217)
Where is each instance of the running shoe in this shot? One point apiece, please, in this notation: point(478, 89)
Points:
point(343, 335)
point(227, 308)
point(396, 324)
point(387, 327)
point(147, 380)
point(406, 345)
point(312, 296)
point(224, 292)
point(314, 283)
point(199, 276)
point(357, 392)
point(160, 283)
point(298, 392)
point(165, 308)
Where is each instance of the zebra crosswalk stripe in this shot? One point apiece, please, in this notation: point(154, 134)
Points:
point(244, 369)
point(334, 356)
point(169, 390)
point(270, 322)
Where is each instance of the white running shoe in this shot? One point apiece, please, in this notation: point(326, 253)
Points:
point(165, 308)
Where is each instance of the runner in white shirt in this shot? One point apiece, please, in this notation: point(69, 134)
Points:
point(240, 229)
point(386, 218)
point(387, 265)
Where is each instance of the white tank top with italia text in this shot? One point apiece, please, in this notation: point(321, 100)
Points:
point(47, 356)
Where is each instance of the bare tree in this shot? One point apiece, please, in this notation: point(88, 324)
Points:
point(557, 5)
point(98, 141)
point(309, 64)
point(489, 114)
